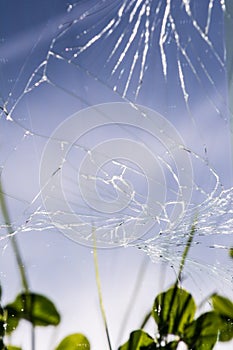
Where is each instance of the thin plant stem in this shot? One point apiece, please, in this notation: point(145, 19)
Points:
point(14, 243)
point(146, 319)
point(184, 256)
point(17, 253)
point(183, 260)
point(98, 283)
point(185, 253)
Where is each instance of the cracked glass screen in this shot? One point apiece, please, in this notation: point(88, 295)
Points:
point(116, 133)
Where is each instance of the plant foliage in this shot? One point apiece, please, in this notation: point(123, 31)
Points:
point(173, 311)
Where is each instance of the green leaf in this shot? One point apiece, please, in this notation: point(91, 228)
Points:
point(138, 340)
point(76, 341)
point(2, 346)
point(2, 322)
point(222, 305)
point(226, 329)
point(231, 252)
point(152, 346)
point(224, 308)
point(173, 310)
point(12, 319)
point(2, 328)
point(9, 347)
point(35, 308)
point(202, 333)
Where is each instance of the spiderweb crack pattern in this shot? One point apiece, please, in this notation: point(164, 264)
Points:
point(168, 55)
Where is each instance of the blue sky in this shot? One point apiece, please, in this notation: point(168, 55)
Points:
point(58, 58)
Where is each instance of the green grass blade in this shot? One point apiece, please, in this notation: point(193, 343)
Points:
point(98, 283)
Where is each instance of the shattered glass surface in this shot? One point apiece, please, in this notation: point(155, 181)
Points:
point(169, 57)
